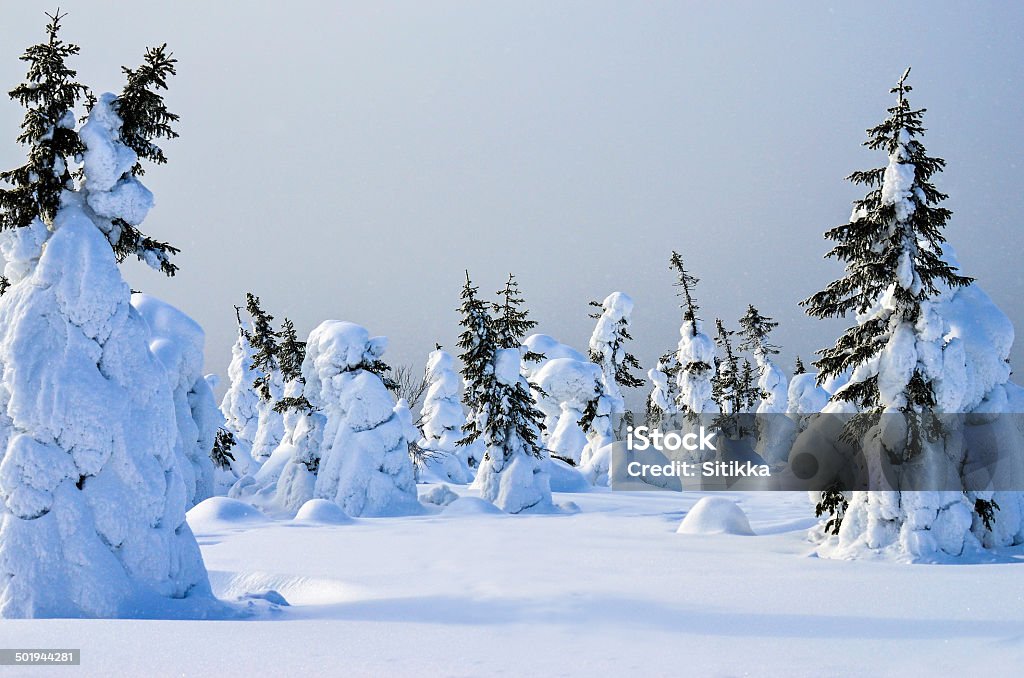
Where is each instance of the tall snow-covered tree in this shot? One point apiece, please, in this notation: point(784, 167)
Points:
point(774, 432)
point(727, 386)
point(511, 473)
point(364, 463)
point(240, 405)
point(900, 353)
point(269, 383)
point(290, 354)
point(92, 498)
point(119, 135)
point(662, 403)
point(696, 352)
point(608, 351)
point(442, 420)
point(478, 344)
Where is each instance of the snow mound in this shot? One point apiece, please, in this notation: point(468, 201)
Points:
point(470, 506)
point(565, 478)
point(715, 515)
point(220, 512)
point(440, 495)
point(323, 512)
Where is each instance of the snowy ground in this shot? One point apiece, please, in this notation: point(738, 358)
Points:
point(610, 590)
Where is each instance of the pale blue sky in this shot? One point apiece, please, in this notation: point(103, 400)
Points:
point(349, 160)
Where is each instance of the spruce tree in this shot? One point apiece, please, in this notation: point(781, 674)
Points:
point(478, 344)
point(662, 401)
point(263, 338)
point(49, 96)
point(145, 118)
point(892, 249)
point(727, 387)
point(290, 354)
point(696, 352)
point(755, 330)
point(895, 271)
point(799, 368)
point(221, 453)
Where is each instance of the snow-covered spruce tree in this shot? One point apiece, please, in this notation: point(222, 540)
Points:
point(727, 386)
point(774, 432)
point(364, 463)
point(442, 420)
point(512, 472)
point(92, 501)
point(662, 403)
point(696, 351)
point(178, 341)
point(118, 135)
point(608, 351)
point(302, 440)
point(904, 361)
point(269, 383)
point(567, 391)
point(477, 343)
point(240, 405)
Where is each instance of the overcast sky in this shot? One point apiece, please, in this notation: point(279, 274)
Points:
point(350, 160)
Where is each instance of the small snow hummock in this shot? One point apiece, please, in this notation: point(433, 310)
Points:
point(321, 511)
point(219, 513)
point(715, 515)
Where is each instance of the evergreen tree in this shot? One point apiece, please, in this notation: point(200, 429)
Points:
point(608, 342)
point(755, 330)
point(696, 352)
point(478, 344)
point(799, 368)
point(290, 353)
point(144, 118)
point(221, 453)
point(895, 273)
point(511, 321)
point(686, 282)
point(727, 387)
point(751, 393)
point(662, 401)
point(263, 338)
point(49, 95)
point(892, 248)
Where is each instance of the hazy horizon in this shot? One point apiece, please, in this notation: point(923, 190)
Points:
point(350, 160)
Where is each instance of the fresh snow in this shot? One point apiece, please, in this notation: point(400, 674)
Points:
point(444, 594)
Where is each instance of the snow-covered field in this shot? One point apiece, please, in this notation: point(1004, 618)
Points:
point(609, 590)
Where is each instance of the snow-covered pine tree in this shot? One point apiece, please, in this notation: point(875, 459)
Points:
point(240, 405)
point(696, 352)
point(727, 386)
point(118, 135)
point(608, 351)
point(269, 383)
point(442, 420)
point(290, 354)
point(799, 367)
point(512, 472)
point(898, 352)
point(92, 501)
point(662, 403)
point(478, 345)
point(364, 463)
point(774, 432)
point(49, 96)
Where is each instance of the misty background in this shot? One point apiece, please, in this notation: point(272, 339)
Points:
point(351, 160)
